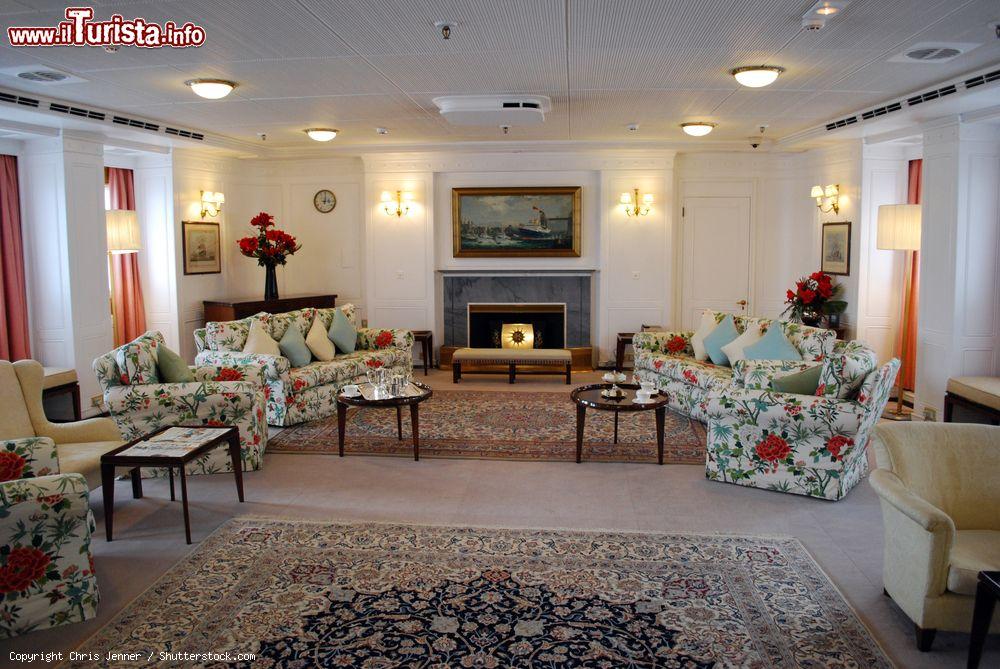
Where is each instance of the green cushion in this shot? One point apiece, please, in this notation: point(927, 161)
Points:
point(723, 333)
point(802, 383)
point(342, 333)
point(171, 367)
point(293, 346)
point(774, 345)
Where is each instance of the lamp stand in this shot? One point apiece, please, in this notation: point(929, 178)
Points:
point(111, 302)
point(901, 413)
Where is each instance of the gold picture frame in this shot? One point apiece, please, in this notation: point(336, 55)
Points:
point(201, 247)
point(519, 222)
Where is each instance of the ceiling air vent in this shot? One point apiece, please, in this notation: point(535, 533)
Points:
point(881, 111)
point(41, 75)
point(931, 95)
point(982, 79)
point(134, 123)
point(18, 99)
point(933, 52)
point(494, 110)
point(834, 125)
point(76, 111)
point(184, 133)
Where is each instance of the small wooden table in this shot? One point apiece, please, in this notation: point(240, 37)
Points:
point(412, 401)
point(117, 458)
point(987, 594)
point(624, 339)
point(426, 340)
point(590, 396)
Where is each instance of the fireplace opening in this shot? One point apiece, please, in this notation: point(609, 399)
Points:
point(517, 325)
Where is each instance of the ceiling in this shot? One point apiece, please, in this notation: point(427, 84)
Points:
point(360, 64)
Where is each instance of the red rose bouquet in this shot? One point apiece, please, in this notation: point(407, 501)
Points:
point(271, 247)
point(813, 296)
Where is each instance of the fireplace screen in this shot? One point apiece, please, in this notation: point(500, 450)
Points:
point(517, 325)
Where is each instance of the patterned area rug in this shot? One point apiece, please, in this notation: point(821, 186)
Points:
point(504, 425)
point(299, 594)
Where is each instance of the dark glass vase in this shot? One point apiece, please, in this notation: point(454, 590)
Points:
point(270, 283)
point(811, 318)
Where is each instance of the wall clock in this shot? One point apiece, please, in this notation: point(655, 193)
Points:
point(324, 201)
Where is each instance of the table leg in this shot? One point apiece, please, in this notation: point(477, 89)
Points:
point(661, 414)
point(108, 485)
point(511, 371)
point(415, 426)
point(136, 475)
point(237, 460)
point(981, 616)
point(184, 502)
point(569, 372)
point(619, 354)
point(581, 416)
point(399, 422)
point(616, 427)
point(75, 394)
point(171, 474)
point(427, 353)
point(341, 425)
point(456, 371)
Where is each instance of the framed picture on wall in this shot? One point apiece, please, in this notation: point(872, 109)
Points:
point(836, 252)
point(516, 222)
point(202, 248)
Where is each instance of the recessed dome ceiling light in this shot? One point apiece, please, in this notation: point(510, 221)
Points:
point(697, 128)
point(756, 76)
point(213, 89)
point(321, 134)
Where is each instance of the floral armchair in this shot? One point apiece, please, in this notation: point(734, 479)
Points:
point(47, 573)
point(298, 394)
point(801, 444)
point(225, 394)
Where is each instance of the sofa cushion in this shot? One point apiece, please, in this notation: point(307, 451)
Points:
point(319, 342)
point(278, 324)
point(760, 374)
point(171, 367)
point(845, 369)
point(774, 345)
point(340, 370)
point(973, 551)
point(293, 346)
point(693, 372)
point(343, 333)
point(137, 361)
point(709, 321)
point(349, 310)
point(723, 333)
point(799, 383)
point(229, 335)
point(259, 341)
point(84, 458)
point(735, 350)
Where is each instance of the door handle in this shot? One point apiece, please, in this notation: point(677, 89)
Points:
point(742, 303)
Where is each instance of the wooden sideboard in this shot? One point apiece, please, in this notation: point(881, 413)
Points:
point(234, 309)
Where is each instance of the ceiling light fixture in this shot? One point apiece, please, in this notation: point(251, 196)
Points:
point(212, 89)
point(756, 76)
point(321, 134)
point(698, 128)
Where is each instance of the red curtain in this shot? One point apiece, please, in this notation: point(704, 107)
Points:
point(130, 312)
point(910, 349)
point(14, 337)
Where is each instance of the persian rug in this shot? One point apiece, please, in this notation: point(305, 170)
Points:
point(501, 425)
point(303, 594)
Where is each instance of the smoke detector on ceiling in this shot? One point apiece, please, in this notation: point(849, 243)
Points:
point(494, 110)
point(40, 74)
point(933, 52)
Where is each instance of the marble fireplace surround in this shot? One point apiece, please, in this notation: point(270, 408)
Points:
point(462, 287)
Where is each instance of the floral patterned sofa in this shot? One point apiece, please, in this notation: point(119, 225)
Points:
point(225, 394)
point(298, 394)
point(758, 437)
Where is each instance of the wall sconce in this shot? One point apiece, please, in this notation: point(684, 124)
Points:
point(631, 203)
point(211, 203)
point(396, 206)
point(832, 195)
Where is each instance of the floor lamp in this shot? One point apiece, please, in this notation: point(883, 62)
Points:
point(899, 230)
point(123, 237)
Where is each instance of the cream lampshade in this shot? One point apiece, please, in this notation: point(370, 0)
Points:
point(899, 227)
point(123, 231)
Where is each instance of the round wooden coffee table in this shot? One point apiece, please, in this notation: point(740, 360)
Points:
point(412, 401)
point(590, 397)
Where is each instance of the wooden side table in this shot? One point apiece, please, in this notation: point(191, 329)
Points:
point(426, 340)
point(624, 339)
point(63, 381)
point(134, 461)
point(987, 594)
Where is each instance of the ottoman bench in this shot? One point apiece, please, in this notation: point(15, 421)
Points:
point(512, 358)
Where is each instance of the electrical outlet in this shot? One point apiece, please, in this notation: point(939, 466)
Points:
point(930, 414)
point(96, 401)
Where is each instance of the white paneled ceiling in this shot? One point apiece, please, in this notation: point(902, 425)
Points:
point(360, 64)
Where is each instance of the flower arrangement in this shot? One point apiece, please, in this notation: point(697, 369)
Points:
point(813, 296)
point(270, 247)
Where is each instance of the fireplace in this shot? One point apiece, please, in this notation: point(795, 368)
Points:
point(536, 325)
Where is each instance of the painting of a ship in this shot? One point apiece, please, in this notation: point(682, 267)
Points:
point(516, 222)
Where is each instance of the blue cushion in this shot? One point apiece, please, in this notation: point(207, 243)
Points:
point(774, 345)
point(723, 333)
point(342, 333)
point(293, 346)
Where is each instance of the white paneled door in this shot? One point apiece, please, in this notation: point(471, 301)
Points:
point(716, 265)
